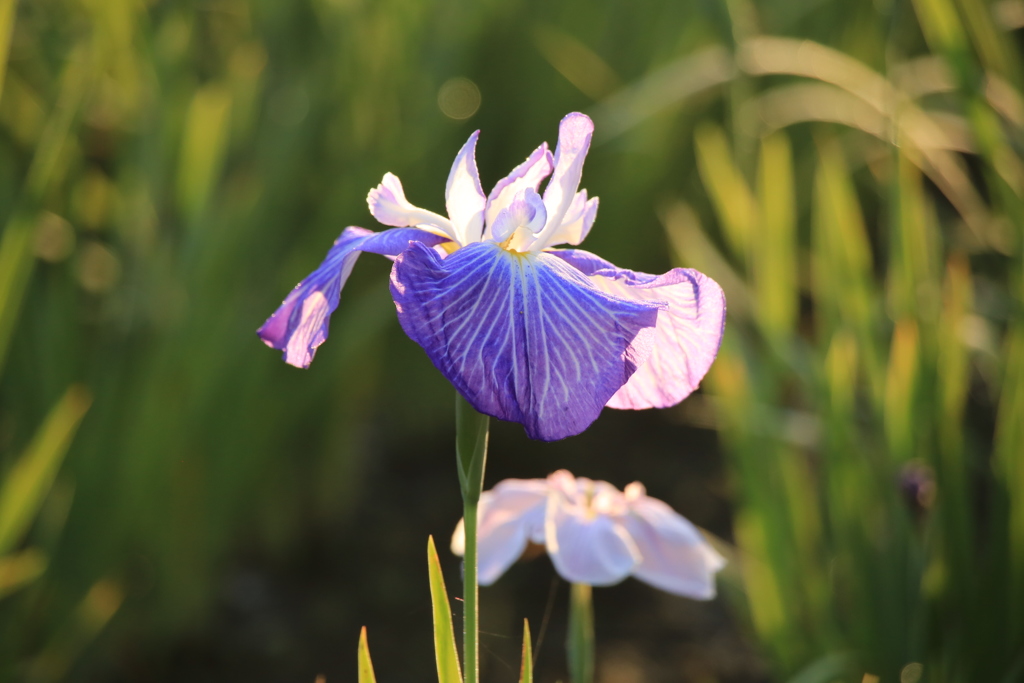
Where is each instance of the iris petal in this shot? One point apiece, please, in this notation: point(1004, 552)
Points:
point(675, 556)
point(530, 173)
point(510, 515)
point(574, 133)
point(577, 222)
point(389, 206)
point(587, 548)
point(463, 195)
point(300, 324)
point(689, 330)
point(524, 337)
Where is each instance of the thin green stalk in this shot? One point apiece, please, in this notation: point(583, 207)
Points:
point(471, 431)
point(580, 643)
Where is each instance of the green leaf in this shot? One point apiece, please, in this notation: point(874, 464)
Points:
point(20, 569)
point(448, 669)
point(579, 643)
point(365, 665)
point(26, 485)
point(526, 669)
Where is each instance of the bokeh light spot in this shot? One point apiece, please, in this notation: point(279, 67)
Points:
point(458, 98)
point(911, 673)
point(54, 239)
point(98, 268)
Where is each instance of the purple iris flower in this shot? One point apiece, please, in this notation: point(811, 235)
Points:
point(541, 336)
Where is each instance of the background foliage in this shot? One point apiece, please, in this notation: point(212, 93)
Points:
point(851, 173)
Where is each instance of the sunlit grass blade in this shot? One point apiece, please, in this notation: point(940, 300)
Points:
point(88, 619)
point(900, 389)
point(448, 669)
point(733, 200)
point(366, 674)
point(203, 147)
point(526, 667)
point(26, 485)
point(843, 264)
point(774, 257)
point(20, 569)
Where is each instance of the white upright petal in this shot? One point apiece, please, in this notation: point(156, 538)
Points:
point(464, 197)
point(586, 547)
point(389, 206)
point(574, 135)
point(675, 556)
point(509, 516)
point(530, 173)
point(577, 222)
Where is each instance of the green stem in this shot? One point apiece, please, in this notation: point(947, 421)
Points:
point(579, 644)
point(471, 430)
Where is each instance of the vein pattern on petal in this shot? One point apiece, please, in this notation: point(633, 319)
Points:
point(689, 330)
point(524, 337)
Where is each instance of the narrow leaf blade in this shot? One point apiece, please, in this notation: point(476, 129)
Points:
point(366, 674)
point(28, 482)
point(526, 669)
point(448, 669)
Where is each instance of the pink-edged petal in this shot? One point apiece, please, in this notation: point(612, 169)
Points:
point(675, 556)
point(523, 337)
point(389, 206)
point(463, 195)
point(588, 548)
point(530, 174)
point(510, 516)
point(300, 324)
point(574, 134)
point(689, 330)
point(577, 222)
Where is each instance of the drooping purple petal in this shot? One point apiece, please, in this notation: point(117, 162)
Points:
point(587, 548)
point(675, 556)
point(524, 337)
point(530, 173)
point(389, 206)
point(510, 516)
point(689, 330)
point(574, 133)
point(463, 195)
point(300, 324)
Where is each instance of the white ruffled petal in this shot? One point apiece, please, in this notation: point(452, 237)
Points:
point(675, 556)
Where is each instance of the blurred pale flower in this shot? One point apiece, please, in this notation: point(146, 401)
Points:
point(594, 534)
point(525, 332)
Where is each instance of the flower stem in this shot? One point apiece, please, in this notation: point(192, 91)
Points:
point(579, 644)
point(471, 430)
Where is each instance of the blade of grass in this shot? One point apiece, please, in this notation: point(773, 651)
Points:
point(366, 674)
point(448, 669)
point(26, 485)
point(526, 668)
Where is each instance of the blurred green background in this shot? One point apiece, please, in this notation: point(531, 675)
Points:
point(178, 504)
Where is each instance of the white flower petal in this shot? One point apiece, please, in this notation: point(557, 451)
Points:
point(530, 173)
point(574, 133)
point(577, 222)
point(585, 547)
point(675, 556)
point(509, 516)
point(389, 206)
point(464, 197)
